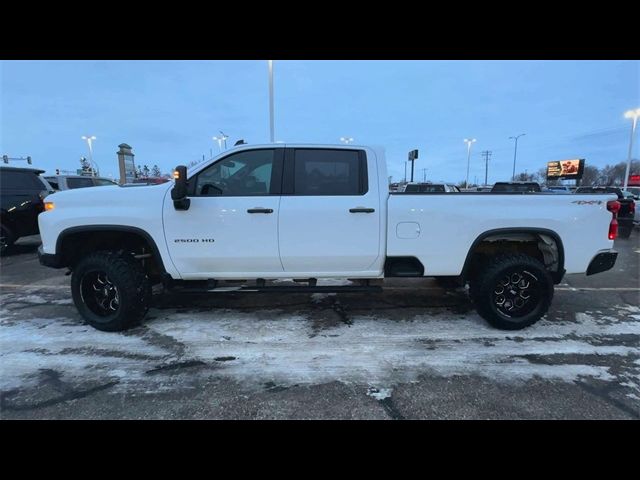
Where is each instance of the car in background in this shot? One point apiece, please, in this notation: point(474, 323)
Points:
point(636, 215)
point(635, 191)
point(151, 180)
point(70, 182)
point(627, 212)
point(430, 188)
point(22, 194)
point(561, 189)
point(516, 187)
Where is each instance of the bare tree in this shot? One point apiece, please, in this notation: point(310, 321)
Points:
point(590, 176)
point(525, 177)
point(155, 171)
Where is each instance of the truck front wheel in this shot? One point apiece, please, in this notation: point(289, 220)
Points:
point(110, 290)
point(512, 292)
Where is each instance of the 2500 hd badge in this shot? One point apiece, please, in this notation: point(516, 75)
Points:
point(194, 240)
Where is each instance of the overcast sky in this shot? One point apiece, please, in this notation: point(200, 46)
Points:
point(169, 110)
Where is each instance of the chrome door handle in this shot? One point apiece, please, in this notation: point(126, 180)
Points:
point(362, 210)
point(260, 210)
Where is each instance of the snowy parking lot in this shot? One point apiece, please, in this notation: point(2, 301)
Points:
point(413, 351)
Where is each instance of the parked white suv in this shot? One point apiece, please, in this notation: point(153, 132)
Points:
point(69, 182)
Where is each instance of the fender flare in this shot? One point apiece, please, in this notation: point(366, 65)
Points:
point(117, 228)
point(498, 231)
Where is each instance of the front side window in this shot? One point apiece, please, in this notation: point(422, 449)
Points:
point(248, 173)
point(329, 172)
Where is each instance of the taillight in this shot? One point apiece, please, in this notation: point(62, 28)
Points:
point(613, 229)
point(614, 207)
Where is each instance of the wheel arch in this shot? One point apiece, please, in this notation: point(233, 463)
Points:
point(557, 274)
point(71, 233)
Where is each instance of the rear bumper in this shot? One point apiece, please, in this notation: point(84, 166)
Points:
point(49, 260)
point(602, 262)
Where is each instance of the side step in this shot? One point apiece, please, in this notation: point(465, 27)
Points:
point(213, 286)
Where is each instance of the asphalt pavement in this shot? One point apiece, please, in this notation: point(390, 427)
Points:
point(414, 351)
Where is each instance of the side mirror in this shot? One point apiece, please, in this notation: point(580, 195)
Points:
point(179, 190)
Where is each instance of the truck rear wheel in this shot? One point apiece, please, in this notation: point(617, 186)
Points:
point(513, 292)
point(110, 290)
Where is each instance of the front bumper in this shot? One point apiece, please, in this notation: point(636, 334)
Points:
point(49, 260)
point(602, 262)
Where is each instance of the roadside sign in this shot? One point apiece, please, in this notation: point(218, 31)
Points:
point(566, 169)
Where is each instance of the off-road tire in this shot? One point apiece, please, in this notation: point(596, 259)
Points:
point(487, 282)
point(132, 287)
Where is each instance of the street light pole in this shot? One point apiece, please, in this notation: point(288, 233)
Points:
point(515, 152)
point(222, 140)
point(468, 142)
point(90, 139)
point(633, 114)
point(271, 121)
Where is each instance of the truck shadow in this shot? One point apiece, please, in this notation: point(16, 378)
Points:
point(325, 307)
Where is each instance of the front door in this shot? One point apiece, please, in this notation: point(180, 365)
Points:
point(329, 218)
point(231, 227)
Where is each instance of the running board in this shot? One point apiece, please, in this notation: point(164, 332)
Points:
point(278, 288)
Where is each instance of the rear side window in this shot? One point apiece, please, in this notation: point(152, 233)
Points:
point(330, 172)
point(53, 181)
point(79, 182)
point(16, 180)
point(103, 182)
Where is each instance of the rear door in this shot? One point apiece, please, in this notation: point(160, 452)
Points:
point(329, 212)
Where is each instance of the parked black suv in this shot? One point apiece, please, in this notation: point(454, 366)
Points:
point(22, 193)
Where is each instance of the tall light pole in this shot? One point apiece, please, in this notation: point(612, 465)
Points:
point(346, 140)
point(468, 141)
point(515, 152)
point(90, 139)
point(632, 114)
point(222, 140)
point(271, 121)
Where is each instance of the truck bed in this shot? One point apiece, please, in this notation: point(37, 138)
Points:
point(439, 229)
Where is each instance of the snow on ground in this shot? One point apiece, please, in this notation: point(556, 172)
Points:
point(382, 352)
point(29, 346)
point(288, 348)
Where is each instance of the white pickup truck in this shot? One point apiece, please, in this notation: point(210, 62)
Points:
point(307, 212)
